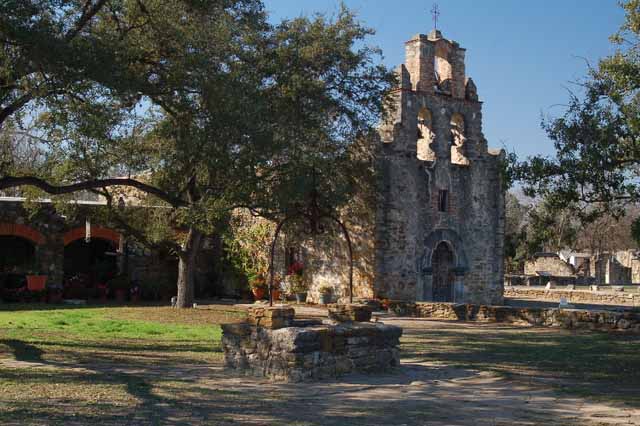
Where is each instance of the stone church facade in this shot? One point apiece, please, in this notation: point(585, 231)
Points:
point(440, 214)
point(431, 229)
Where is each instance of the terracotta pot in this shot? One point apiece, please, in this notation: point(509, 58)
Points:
point(275, 294)
point(258, 292)
point(36, 282)
point(121, 295)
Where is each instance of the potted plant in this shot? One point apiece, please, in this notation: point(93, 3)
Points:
point(325, 295)
point(385, 304)
point(298, 284)
point(258, 287)
point(300, 291)
point(120, 287)
point(36, 281)
point(276, 293)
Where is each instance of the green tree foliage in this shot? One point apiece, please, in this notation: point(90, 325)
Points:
point(329, 96)
point(514, 233)
point(202, 106)
point(537, 227)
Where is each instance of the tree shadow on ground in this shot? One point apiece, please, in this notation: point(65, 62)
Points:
point(184, 394)
point(596, 364)
point(23, 351)
point(425, 390)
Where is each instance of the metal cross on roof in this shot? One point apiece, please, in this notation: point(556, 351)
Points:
point(435, 12)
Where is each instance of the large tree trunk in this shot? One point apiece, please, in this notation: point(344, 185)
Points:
point(187, 269)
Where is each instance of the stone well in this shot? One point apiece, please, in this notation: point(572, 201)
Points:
point(304, 350)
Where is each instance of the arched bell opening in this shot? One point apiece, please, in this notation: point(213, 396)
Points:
point(426, 137)
point(458, 140)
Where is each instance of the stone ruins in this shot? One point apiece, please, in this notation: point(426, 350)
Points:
point(440, 215)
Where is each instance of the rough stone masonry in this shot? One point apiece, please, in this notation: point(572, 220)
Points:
point(274, 345)
point(440, 211)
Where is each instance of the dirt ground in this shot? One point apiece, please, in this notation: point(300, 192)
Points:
point(144, 387)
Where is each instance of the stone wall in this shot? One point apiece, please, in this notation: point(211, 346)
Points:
point(50, 231)
point(327, 257)
point(603, 296)
point(565, 318)
point(432, 197)
point(51, 227)
point(629, 259)
point(551, 263)
point(310, 350)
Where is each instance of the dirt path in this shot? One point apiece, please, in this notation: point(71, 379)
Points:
point(421, 392)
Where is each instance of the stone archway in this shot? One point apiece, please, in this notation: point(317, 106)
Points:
point(442, 264)
point(93, 261)
point(96, 232)
point(20, 248)
point(16, 254)
point(442, 268)
point(22, 231)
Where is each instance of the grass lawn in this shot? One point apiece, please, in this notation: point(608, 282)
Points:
point(50, 354)
point(156, 365)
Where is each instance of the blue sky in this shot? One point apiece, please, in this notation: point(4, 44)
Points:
point(522, 54)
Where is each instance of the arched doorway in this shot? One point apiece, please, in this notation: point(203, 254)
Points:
point(17, 258)
point(93, 262)
point(17, 254)
point(443, 262)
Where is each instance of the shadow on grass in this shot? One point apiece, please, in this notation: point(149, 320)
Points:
point(23, 351)
point(57, 414)
point(134, 346)
point(105, 370)
point(592, 364)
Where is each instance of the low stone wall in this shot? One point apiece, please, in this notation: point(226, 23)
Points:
point(310, 350)
point(575, 296)
point(566, 318)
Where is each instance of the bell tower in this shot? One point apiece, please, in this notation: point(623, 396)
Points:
point(440, 189)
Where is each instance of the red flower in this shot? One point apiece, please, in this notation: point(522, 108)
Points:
point(296, 268)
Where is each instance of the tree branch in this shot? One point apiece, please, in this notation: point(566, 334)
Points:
point(87, 15)
point(10, 109)
point(138, 235)
point(16, 181)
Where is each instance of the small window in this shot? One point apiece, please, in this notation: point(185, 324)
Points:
point(443, 200)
